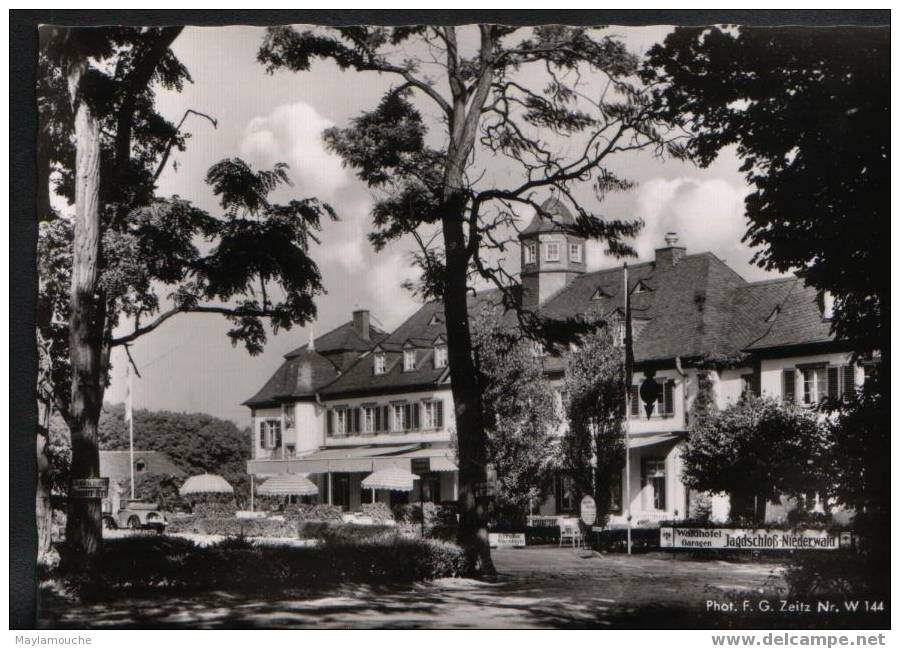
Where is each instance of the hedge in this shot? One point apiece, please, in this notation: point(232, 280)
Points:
point(165, 564)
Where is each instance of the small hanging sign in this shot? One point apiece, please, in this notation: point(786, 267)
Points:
point(89, 488)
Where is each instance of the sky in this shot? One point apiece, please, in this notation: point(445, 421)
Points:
point(189, 365)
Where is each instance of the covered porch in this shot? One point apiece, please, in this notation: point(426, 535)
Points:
point(339, 473)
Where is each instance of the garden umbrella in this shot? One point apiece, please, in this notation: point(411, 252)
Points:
point(392, 478)
point(206, 483)
point(288, 484)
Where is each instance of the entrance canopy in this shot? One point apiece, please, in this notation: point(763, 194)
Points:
point(392, 478)
point(360, 459)
point(636, 441)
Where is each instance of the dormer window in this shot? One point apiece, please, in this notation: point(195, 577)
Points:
point(551, 251)
point(601, 294)
point(440, 356)
point(575, 252)
point(641, 287)
point(774, 314)
point(530, 253)
point(409, 360)
point(827, 306)
point(379, 363)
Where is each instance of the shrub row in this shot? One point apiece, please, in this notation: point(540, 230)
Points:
point(166, 564)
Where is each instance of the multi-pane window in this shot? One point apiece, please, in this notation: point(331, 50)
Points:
point(341, 419)
point(750, 385)
point(270, 433)
point(409, 360)
point(818, 383)
point(815, 385)
point(529, 253)
point(440, 356)
point(575, 252)
point(399, 422)
point(368, 419)
point(379, 363)
point(433, 415)
point(551, 251)
point(663, 406)
point(654, 482)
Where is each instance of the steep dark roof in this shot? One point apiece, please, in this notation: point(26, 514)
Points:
point(791, 314)
point(114, 464)
point(560, 218)
point(698, 307)
point(305, 372)
point(342, 339)
point(300, 376)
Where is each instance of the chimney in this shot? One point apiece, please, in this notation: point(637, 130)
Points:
point(361, 322)
point(669, 256)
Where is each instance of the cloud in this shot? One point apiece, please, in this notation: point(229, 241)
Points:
point(292, 133)
point(707, 215)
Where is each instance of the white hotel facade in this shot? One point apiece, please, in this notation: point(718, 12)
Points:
point(358, 399)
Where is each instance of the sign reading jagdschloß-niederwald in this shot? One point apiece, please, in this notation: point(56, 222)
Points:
point(714, 538)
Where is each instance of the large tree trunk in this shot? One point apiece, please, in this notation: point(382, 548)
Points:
point(43, 509)
point(472, 442)
point(86, 326)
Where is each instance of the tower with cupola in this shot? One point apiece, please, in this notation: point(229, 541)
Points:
point(552, 254)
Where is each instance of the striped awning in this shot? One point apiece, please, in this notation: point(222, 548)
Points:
point(392, 478)
point(288, 484)
point(359, 459)
point(206, 483)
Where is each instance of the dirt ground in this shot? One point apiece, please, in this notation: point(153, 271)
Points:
point(539, 587)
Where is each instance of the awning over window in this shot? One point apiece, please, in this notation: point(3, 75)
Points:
point(361, 459)
point(635, 441)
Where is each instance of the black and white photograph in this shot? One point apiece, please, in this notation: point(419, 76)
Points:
point(499, 320)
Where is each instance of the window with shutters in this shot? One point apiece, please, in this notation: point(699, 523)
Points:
point(340, 419)
point(433, 415)
point(399, 419)
point(270, 433)
point(369, 420)
point(663, 407)
point(815, 384)
point(788, 386)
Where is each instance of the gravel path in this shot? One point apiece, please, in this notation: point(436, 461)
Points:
point(537, 588)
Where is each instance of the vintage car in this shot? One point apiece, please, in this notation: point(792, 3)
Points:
point(134, 515)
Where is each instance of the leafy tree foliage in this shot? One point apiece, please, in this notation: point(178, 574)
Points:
point(808, 110)
point(756, 451)
point(499, 93)
point(593, 449)
point(128, 255)
point(521, 415)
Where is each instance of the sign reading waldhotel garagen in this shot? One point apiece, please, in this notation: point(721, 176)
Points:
point(707, 538)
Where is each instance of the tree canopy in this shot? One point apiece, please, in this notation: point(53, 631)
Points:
point(521, 414)
point(462, 99)
point(593, 448)
point(808, 110)
point(757, 449)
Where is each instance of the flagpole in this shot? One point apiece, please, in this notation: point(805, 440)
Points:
point(130, 414)
point(627, 342)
